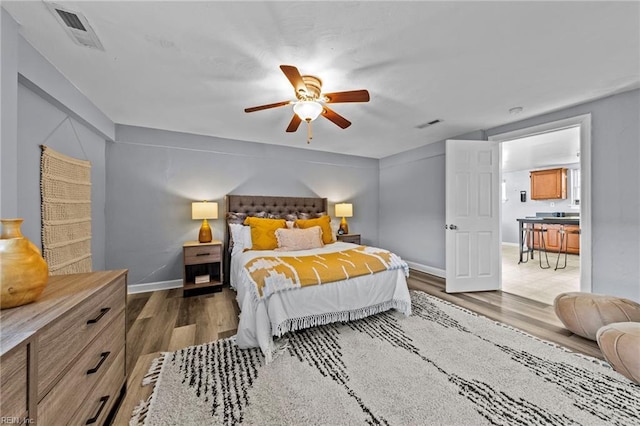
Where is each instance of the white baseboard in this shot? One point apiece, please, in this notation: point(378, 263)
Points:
point(428, 269)
point(160, 285)
point(510, 244)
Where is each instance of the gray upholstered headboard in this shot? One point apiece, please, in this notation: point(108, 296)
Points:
point(254, 204)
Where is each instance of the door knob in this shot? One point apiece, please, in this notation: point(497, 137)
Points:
point(453, 226)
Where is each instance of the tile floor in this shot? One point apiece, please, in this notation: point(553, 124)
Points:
point(530, 281)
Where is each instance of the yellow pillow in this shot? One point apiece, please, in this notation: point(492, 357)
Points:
point(263, 232)
point(323, 222)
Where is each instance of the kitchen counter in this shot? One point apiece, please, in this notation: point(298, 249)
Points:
point(567, 220)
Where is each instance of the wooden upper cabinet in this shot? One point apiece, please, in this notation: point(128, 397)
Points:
point(549, 184)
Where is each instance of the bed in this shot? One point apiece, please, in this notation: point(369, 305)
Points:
point(267, 313)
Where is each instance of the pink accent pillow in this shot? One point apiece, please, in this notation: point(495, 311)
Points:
point(299, 239)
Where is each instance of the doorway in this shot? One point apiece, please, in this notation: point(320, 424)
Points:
point(529, 279)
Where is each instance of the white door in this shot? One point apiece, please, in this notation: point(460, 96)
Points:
point(472, 216)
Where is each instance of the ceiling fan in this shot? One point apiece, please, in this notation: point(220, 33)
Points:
point(311, 102)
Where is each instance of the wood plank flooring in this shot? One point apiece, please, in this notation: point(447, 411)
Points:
point(165, 321)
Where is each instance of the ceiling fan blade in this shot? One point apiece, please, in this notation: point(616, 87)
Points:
point(350, 96)
point(294, 77)
point(261, 107)
point(336, 118)
point(295, 122)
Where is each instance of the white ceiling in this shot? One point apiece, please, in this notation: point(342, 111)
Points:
point(557, 148)
point(194, 66)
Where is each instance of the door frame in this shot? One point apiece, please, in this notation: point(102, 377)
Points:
point(584, 122)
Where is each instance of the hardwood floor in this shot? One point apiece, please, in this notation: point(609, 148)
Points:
point(165, 321)
point(536, 318)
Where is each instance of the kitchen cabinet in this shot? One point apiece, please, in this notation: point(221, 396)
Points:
point(552, 238)
point(550, 184)
point(573, 239)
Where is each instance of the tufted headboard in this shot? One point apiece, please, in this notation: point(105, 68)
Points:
point(254, 204)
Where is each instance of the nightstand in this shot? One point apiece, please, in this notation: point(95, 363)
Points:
point(349, 238)
point(202, 264)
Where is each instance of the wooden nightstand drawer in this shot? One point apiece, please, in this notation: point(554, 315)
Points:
point(196, 255)
point(71, 333)
point(67, 396)
point(202, 266)
point(349, 238)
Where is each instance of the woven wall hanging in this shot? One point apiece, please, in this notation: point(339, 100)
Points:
point(65, 186)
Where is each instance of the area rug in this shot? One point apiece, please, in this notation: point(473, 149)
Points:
point(443, 365)
point(65, 186)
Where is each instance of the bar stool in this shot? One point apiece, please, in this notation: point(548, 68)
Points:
point(564, 240)
point(527, 238)
point(541, 245)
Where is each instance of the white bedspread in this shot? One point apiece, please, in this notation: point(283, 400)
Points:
point(306, 307)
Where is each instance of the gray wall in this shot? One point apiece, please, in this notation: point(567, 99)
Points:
point(415, 179)
point(40, 122)
point(412, 210)
point(9, 117)
point(615, 177)
point(154, 175)
point(513, 208)
point(40, 106)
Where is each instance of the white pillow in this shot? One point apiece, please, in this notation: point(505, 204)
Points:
point(299, 239)
point(241, 237)
point(335, 226)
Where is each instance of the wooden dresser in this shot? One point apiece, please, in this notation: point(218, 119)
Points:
point(62, 358)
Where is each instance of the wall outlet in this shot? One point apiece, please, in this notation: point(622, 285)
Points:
point(552, 204)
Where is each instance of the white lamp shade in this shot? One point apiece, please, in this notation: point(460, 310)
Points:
point(344, 210)
point(204, 210)
point(307, 110)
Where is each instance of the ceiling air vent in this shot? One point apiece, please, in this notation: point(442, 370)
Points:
point(76, 25)
point(431, 123)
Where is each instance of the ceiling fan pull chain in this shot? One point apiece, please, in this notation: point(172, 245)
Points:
point(309, 134)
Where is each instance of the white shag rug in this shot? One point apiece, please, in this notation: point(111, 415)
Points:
point(444, 365)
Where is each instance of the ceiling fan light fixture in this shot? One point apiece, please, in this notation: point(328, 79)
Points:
point(307, 110)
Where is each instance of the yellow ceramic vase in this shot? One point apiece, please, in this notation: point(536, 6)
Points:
point(23, 271)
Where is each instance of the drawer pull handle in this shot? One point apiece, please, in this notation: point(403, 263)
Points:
point(103, 357)
point(103, 312)
point(203, 254)
point(103, 403)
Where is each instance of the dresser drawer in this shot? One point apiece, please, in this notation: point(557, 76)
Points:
point(64, 339)
point(86, 372)
point(13, 383)
point(95, 409)
point(204, 254)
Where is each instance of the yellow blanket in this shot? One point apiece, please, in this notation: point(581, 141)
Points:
point(271, 274)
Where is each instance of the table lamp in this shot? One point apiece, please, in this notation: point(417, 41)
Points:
point(204, 210)
point(344, 210)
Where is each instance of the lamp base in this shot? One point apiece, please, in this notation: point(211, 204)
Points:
point(344, 227)
point(205, 236)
